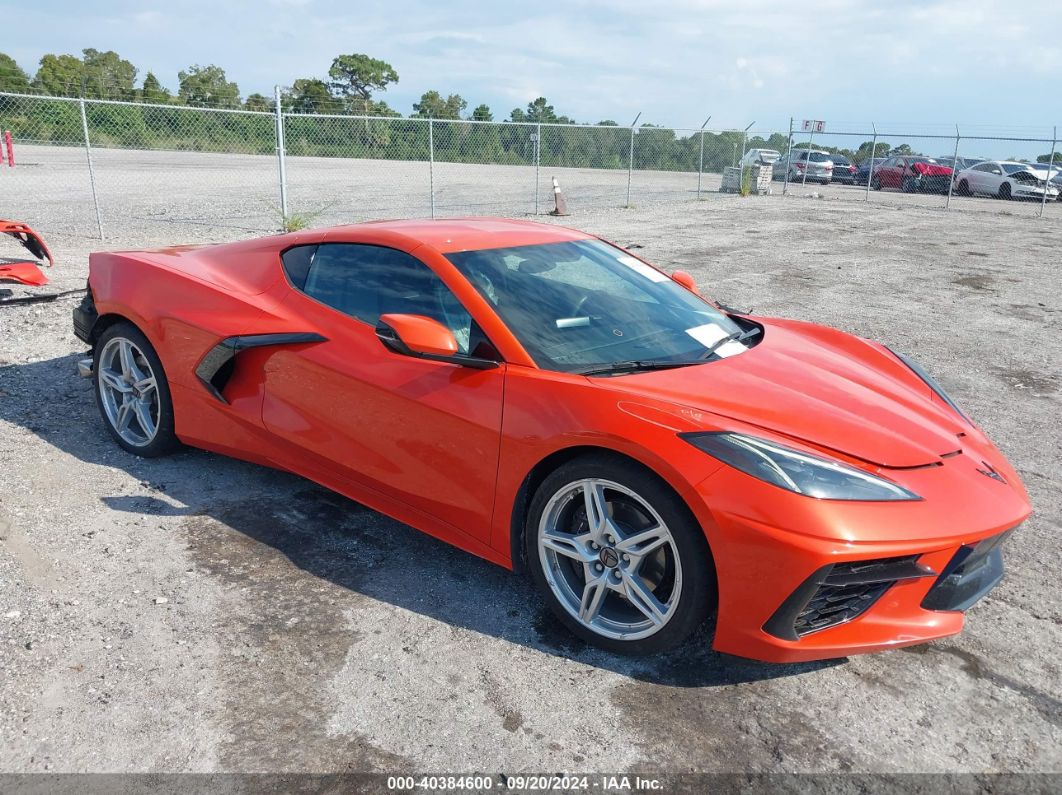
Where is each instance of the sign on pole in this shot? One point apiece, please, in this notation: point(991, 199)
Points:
point(813, 126)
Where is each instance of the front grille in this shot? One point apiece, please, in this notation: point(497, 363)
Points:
point(840, 592)
point(836, 604)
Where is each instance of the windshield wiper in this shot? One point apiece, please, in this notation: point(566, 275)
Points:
point(737, 336)
point(635, 366)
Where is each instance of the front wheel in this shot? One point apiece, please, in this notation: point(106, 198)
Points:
point(875, 184)
point(1004, 191)
point(132, 393)
point(618, 556)
point(964, 188)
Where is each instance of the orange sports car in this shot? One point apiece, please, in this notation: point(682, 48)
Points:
point(552, 403)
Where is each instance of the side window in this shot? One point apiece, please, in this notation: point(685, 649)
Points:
point(366, 281)
point(297, 263)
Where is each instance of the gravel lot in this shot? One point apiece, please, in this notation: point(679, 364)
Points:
point(200, 614)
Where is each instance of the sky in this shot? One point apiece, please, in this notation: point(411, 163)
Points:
point(992, 67)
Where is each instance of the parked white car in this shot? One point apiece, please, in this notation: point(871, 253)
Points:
point(1051, 173)
point(1006, 179)
point(764, 157)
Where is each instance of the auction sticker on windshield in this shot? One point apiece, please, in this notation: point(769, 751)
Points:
point(648, 272)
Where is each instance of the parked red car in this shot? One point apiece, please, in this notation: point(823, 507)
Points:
point(912, 174)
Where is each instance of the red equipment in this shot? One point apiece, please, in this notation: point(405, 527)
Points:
point(10, 146)
point(25, 272)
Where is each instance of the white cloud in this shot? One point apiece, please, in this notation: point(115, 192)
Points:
point(677, 61)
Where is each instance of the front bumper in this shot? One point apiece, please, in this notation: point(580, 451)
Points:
point(1034, 193)
point(85, 317)
point(773, 559)
point(933, 184)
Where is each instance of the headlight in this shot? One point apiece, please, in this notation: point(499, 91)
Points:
point(797, 471)
point(932, 384)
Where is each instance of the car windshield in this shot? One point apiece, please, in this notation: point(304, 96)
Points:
point(819, 157)
point(839, 161)
point(578, 305)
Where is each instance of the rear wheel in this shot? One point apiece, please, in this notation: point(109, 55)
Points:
point(908, 185)
point(1004, 190)
point(618, 556)
point(132, 393)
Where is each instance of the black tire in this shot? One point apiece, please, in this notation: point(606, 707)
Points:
point(964, 188)
point(1004, 191)
point(697, 596)
point(908, 185)
point(164, 440)
point(875, 184)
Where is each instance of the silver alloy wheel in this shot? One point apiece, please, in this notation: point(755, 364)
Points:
point(609, 559)
point(129, 392)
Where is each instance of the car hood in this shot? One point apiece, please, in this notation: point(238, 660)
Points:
point(931, 169)
point(821, 386)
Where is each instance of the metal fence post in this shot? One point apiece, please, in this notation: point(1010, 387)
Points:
point(807, 163)
point(92, 171)
point(630, 162)
point(431, 164)
point(538, 160)
point(1050, 165)
point(745, 140)
point(873, 158)
point(954, 169)
point(282, 171)
point(788, 158)
point(700, 160)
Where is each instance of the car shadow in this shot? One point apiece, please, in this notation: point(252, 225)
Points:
point(332, 538)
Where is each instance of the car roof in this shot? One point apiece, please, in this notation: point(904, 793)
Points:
point(447, 235)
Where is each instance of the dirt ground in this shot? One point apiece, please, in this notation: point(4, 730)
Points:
point(200, 614)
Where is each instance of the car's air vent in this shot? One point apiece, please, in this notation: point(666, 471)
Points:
point(839, 592)
point(835, 605)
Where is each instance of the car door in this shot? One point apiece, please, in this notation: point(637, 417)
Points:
point(991, 178)
point(887, 173)
point(423, 432)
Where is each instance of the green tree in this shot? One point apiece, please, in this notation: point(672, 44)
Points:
point(310, 95)
point(540, 111)
point(1047, 158)
point(880, 150)
point(60, 75)
point(433, 106)
point(381, 108)
point(12, 78)
point(207, 86)
point(154, 92)
point(607, 123)
point(106, 75)
point(356, 76)
point(482, 113)
point(258, 102)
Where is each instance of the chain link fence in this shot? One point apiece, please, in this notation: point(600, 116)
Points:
point(121, 170)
